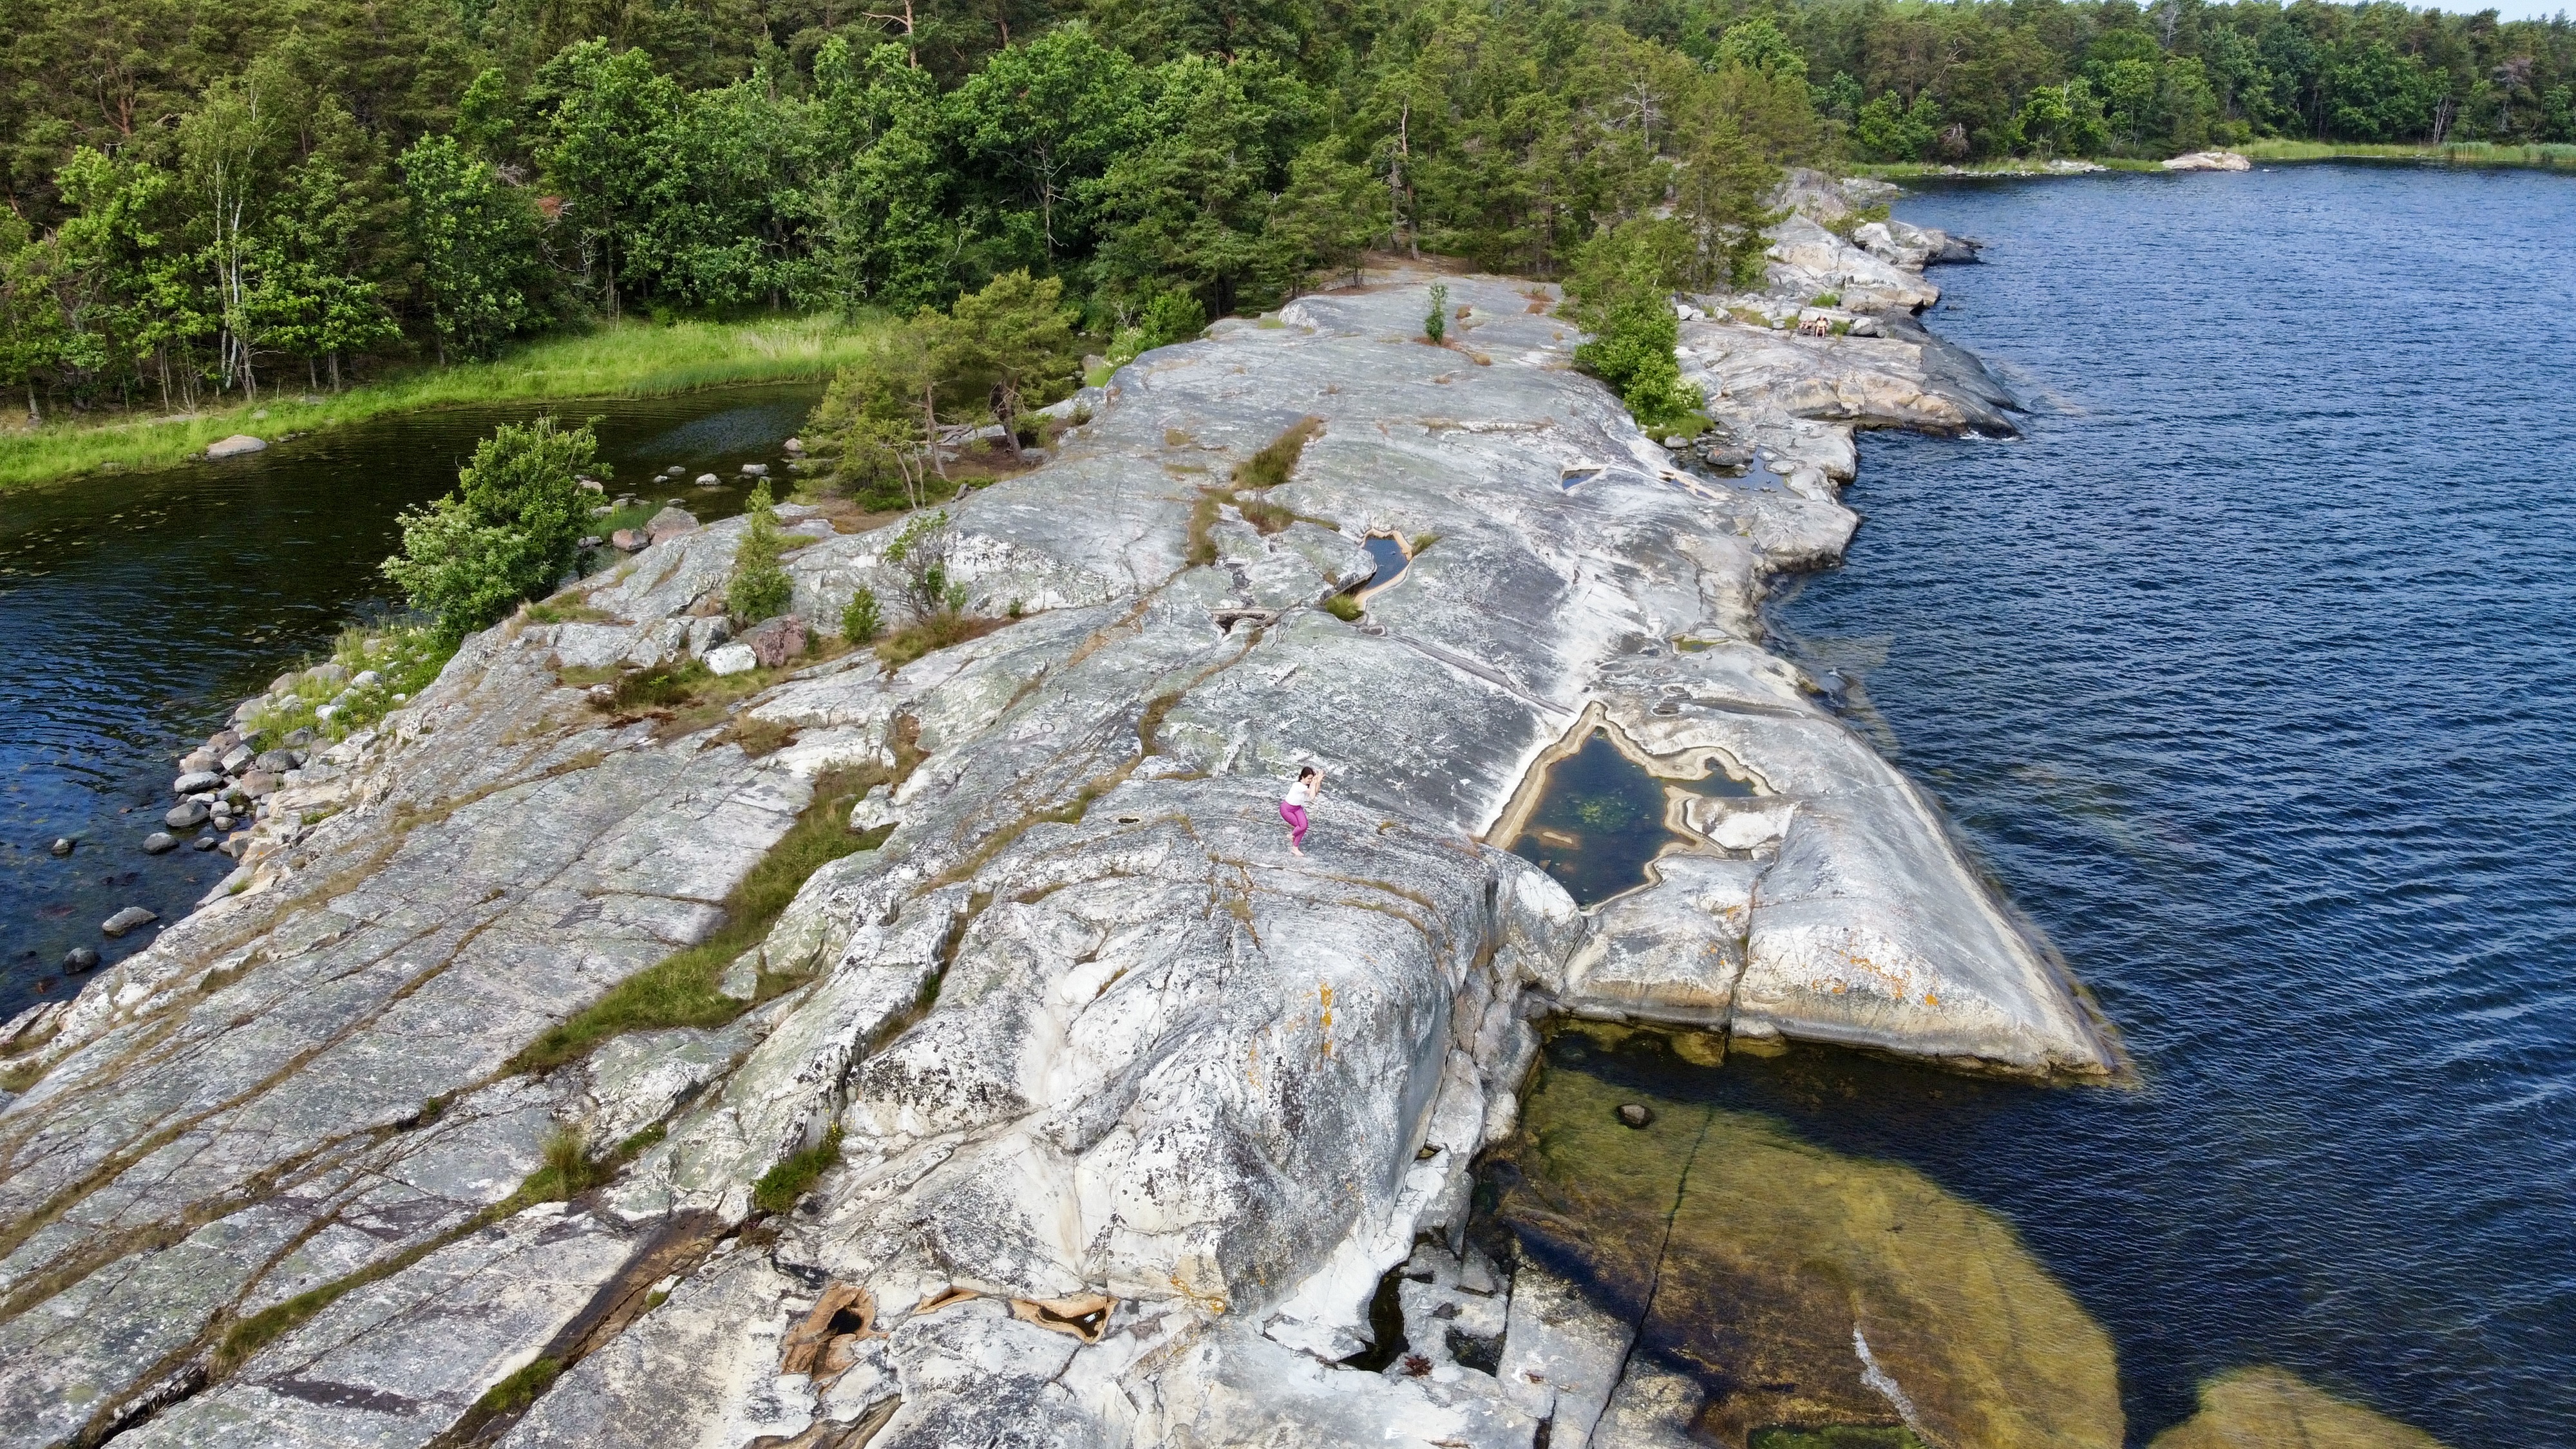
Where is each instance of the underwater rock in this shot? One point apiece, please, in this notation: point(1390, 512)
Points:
point(2268, 1408)
point(1795, 1285)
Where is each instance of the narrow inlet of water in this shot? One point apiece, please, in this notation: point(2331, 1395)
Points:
point(141, 607)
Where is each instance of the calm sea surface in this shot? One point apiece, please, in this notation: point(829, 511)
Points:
point(2251, 671)
point(139, 610)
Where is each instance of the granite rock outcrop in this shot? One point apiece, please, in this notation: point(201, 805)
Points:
point(1115, 1114)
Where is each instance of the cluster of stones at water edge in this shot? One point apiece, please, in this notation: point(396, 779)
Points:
point(1112, 1114)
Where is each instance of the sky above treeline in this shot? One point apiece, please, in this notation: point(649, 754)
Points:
point(2519, 9)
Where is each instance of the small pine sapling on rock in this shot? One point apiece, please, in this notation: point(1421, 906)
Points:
point(760, 588)
point(862, 621)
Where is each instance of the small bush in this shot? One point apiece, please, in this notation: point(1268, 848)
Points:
point(862, 622)
point(760, 588)
point(1436, 325)
point(508, 531)
point(780, 1187)
point(1345, 607)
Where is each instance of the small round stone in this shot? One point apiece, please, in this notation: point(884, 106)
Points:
point(62, 845)
point(1636, 1114)
point(80, 958)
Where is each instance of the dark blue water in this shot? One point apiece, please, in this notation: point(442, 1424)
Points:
point(139, 609)
point(2252, 673)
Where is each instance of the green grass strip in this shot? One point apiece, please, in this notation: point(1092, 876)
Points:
point(623, 359)
point(680, 990)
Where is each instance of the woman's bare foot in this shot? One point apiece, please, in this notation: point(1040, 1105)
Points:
point(1296, 850)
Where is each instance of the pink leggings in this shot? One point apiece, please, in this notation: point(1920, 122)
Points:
point(1295, 815)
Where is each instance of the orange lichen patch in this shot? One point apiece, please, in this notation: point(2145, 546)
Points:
point(845, 1315)
point(945, 1296)
point(1084, 1315)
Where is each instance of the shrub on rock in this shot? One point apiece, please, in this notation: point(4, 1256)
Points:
point(760, 588)
point(509, 531)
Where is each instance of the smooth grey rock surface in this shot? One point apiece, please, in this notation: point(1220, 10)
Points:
point(1134, 1108)
point(235, 446)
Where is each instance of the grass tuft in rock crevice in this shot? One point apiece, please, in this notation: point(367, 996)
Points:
point(680, 990)
point(933, 633)
point(780, 1187)
point(520, 1389)
point(1278, 458)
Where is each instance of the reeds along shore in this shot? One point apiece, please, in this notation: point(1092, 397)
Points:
point(622, 359)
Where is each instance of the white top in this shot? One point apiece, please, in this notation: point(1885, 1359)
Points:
point(1301, 794)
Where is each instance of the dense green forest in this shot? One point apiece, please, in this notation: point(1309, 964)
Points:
point(224, 199)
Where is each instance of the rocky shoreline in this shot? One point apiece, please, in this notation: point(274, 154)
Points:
point(1074, 1109)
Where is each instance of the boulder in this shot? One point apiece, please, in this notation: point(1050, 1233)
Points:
point(776, 641)
point(186, 815)
point(258, 784)
point(328, 675)
point(235, 446)
point(793, 447)
point(277, 761)
point(127, 919)
point(222, 740)
point(197, 782)
point(731, 659)
point(80, 958)
point(63, 845)
point(710, 480)
point(671, 523)
point(284, 683)
point(249, 707)
point(197, 762)
point(236, 759)
point(629, 540)
point(2209, 161)
point(755, 470)
point(205, 843)
point(160, 842)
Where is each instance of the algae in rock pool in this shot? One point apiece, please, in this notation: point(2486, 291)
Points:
point(1758, 1263)
point(1600, 818)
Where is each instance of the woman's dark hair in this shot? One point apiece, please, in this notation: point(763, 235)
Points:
point(1304, 771)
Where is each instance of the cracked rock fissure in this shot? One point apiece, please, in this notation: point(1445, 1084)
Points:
point(1084, 1028)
